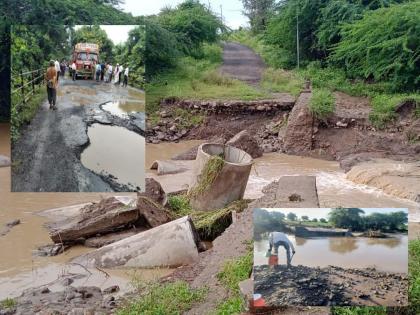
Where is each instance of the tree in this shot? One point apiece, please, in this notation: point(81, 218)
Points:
point(314, 220)
point(346, 218)
point(305, 218)
point(322, 220)
point(291, 216)
point(258, 13)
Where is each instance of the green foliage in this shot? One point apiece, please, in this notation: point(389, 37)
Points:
point(291, 216)
point(192, 24)
point(359, 310)
point(188, 119)
point(7, 303)
point(279, 80)
point(209, 173)
point(414, 274)
point(351, 218)
point(383, 45)
point(233, 272)
point(167, 298)
point(322, 103)
point(384, 106)
point(258, 12)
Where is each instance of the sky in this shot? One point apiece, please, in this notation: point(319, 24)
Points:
point(232, 9)
point(117, 33)
point(323, 212)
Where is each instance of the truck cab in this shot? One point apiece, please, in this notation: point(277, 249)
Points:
point(86, 57)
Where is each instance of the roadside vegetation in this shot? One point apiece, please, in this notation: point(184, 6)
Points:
point(363, 48)
point(162, 298)
point(233, 272)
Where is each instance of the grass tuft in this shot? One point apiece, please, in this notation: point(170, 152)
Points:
point(281, 81)
point(208, 175)
point(167, 298)
point(322, 103)
point(8, 303)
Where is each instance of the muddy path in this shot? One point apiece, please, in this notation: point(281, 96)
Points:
point(329, 286)
point(47, 155)
point(242, 63)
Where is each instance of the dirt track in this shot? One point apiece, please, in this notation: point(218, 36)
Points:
point(47, 155)
point(242, 63)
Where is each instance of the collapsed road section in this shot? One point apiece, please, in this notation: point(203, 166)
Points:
point(47, 156)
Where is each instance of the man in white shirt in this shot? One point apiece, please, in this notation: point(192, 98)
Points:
point(73, 71)
point(277, 239)
point(57, 68)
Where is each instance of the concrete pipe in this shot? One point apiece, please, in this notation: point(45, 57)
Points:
point(230, 183)
point(169, 245)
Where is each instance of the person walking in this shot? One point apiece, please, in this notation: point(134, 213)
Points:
point(57, 68)
point(277, 239)
point(116, 74)
point(102, 71)
point(110, 73)
point(125, 82)
point(51, 79)
point(120, 75)
point(98, 72)
point(73, 71)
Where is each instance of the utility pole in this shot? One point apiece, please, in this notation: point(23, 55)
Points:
point(297, 35)
point(221, 13)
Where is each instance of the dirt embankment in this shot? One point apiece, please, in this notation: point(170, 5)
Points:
point(329, 286)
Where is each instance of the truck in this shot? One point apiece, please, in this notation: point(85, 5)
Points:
point(86, 57)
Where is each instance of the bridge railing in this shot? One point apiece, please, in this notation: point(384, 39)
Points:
point(24, 85)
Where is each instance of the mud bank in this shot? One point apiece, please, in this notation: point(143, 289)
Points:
point(330, 286)
point(61, 136)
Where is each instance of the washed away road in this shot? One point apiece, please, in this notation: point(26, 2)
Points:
point(47, 155)
point(242, 63)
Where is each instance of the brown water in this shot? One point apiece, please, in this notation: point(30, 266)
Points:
point(389, 254)
point(124, 107)
point(117, 151)
point(166, 150)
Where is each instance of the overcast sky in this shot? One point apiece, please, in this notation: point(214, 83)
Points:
point(232, 9)
point(323, 212)
point(117, 33)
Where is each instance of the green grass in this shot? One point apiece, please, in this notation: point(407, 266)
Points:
point(414, 274)
point(26, 112)
point(161, 299)
point(198, 79)
point(209, 173)
point(209, 224)
point(233, 272)
point(309, 223)
point(7, 303)
point(281, 81)
point(322, 103)
point(384, 106)
point(359, 310)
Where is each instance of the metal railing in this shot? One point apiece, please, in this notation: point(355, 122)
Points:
point(26, 84)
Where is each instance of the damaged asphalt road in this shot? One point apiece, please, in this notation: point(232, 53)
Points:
point(329, 286)
point(47, 155)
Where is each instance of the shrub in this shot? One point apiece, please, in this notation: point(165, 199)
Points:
point(322, 103)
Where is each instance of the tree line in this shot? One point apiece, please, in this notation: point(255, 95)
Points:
point(372, 40)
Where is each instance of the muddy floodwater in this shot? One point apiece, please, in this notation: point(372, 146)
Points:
point(389, 254)
point(124, 107)
point(116, 151)
point(166, 150)
point(19, 268)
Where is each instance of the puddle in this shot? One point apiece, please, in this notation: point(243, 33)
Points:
point(122, 108)
point(116, 151)
point(389, 254)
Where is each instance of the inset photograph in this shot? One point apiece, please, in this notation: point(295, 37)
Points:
point(78, 108)
point(330, 256)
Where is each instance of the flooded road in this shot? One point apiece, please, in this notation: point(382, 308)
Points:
point(123, 108)
point(116, 151)
point(388, 254)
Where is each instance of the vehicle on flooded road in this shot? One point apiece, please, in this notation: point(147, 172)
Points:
point(86, 57)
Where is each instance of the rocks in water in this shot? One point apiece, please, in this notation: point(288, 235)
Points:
point(244, 141)
point(154, 191)
point(4, 161)
point(13, 223)
point(299, 130)
point(51, 250)
point(8, 226)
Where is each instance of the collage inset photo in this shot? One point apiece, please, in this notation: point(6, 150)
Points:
point(88, 133)
point(330, 256)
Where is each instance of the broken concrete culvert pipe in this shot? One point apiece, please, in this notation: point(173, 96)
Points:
point(220, 176)
point(169, 245)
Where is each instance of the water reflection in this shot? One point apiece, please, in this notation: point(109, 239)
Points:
point(342, 245)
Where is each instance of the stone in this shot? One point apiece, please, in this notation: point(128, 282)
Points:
point(244, 141)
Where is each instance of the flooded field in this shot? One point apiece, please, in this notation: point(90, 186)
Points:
point(388, 254)
point(116, 151)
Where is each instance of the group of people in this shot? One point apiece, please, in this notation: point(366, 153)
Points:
point(103, 72)
point(113, 74)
